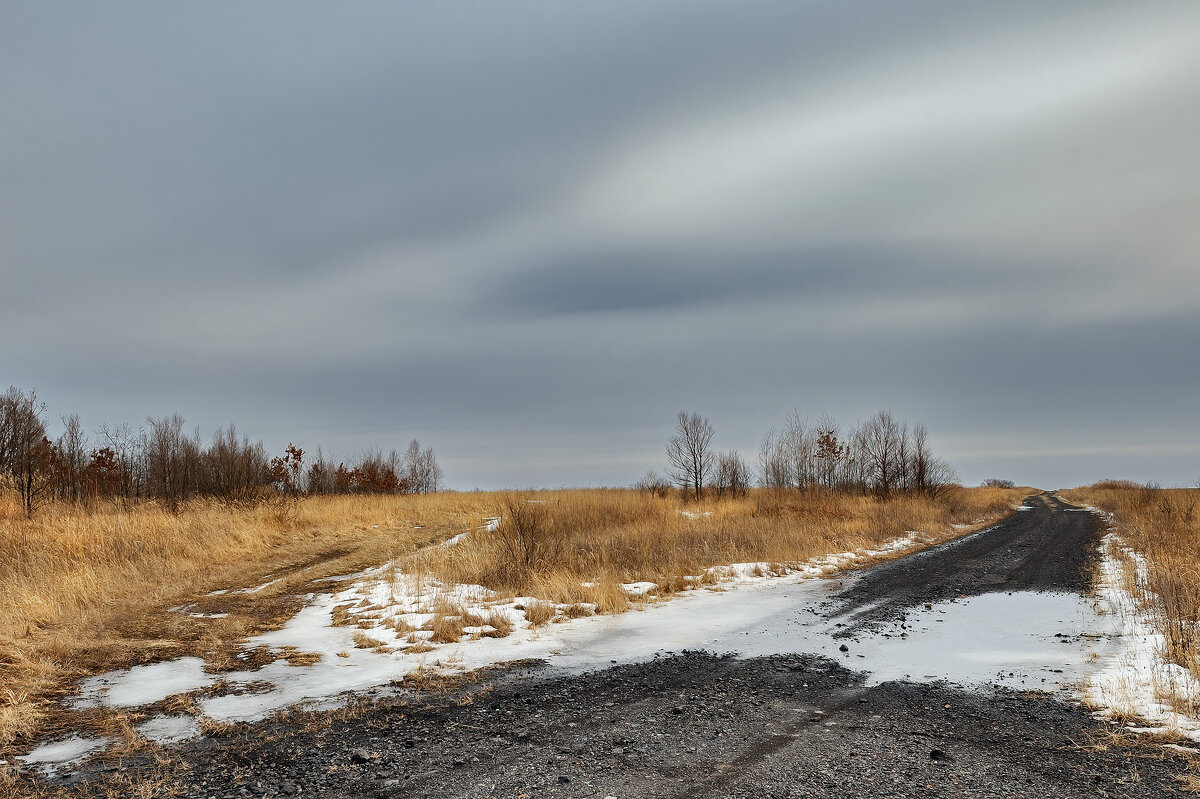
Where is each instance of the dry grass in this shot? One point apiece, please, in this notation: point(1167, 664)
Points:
point(1163, 526)
point(539, 612)
point(501, 625)
point(88, 589)
point(592, 541)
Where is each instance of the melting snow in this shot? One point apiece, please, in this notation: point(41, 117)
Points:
point(65, 752)
point(169, 729)
point(1133, 681)
point(144, 685)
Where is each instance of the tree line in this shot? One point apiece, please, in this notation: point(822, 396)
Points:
point(164, 462)
point(881, 456)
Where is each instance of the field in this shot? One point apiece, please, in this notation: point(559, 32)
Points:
point(88, 588)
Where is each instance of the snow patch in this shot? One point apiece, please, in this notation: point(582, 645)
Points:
point(169, 729)
point(144, 685)
point(1138, 677)
point(66, 752)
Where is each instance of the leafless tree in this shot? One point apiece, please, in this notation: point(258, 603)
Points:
point(653, 483)
point(72, 460)
point(26, 454)
point(732, 476)
point(830, 453)
point(689, 451)
point(881, 448)
point(173, 460)
point(127, 448)
point(773, 466)
point(421, 471)
point(995, 482)
point(235, 469)
point(320, 478)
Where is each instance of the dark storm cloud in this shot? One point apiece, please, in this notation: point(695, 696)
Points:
point(604, 280)
point(529, 233)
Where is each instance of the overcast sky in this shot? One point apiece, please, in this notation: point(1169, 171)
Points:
point(529, 233)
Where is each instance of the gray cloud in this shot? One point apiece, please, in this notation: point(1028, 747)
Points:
point(601, 280)
point(529, 233)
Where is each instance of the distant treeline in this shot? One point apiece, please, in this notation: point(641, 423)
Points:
point(882, 456)
point(163, 462)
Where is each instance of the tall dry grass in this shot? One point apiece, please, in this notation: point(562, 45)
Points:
point(84, 589)
point(589, 542)
point(1163, 526)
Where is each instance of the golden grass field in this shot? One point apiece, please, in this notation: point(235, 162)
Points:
point(87, 589)
point(1163, 526)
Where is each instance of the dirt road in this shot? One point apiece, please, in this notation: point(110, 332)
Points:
point(701, 724)
point(1047, 546)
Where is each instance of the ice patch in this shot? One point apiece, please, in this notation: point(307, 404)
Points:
point(66, 752)
point(257, 588)
point(169, 729)
point(1022, 640)
point(144, 685)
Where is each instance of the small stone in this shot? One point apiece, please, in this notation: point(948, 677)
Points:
point(940, 756)
point(843, 648)
point(360, 756)
point(563, 779)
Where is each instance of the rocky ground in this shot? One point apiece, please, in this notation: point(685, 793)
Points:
point(693, 725)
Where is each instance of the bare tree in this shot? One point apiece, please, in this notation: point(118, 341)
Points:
point(421, 471)
point(830, 453)
point(773, 464)
point(173, 460)
point(72, 460)
point(881, 449)
point(234, 469)
point(689, 450)
point(125, 459)
point(653, 483)
point(320, 478)
point(732, 474)
point(26, 455)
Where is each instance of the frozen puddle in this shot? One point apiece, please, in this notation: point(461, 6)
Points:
point(169, 729)
point(1042, 641)
point(144, 685)
point(66, 752)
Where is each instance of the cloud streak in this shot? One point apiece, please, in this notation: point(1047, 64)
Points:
point(531, 234)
